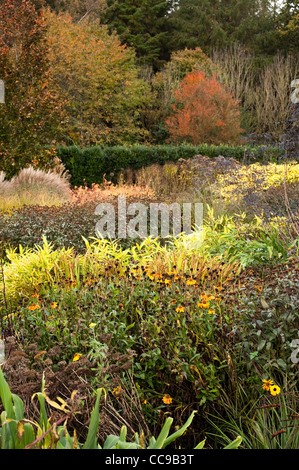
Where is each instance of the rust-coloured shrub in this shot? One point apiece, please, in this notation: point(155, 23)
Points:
point(203, 111)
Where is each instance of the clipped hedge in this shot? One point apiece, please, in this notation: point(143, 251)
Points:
point(89, 165)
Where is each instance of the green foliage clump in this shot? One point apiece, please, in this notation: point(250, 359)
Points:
point(90, 164)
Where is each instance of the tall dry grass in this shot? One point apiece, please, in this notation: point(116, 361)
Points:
point(109, 192)
point(264, 92)
point(34, 186)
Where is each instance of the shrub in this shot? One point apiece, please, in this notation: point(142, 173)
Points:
point(268, 322)
point(203, 111)
point(63, 225)
point(89, 165)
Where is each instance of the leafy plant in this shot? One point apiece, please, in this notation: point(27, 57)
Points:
point(267, 423)
point(89, 165)
point(18, 432)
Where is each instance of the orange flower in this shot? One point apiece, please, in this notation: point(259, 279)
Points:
point(267, 384)
point(34, 307)
point(167, 399)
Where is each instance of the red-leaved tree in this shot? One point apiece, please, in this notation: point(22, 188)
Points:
point(203, 112)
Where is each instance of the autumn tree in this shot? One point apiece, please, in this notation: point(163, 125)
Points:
point(31, 116)
point(165, 82)
point(203, 112)
point(97, 76)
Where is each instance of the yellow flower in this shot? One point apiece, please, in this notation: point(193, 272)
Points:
point(167, 281)
point(274, 390)
point(54, 305)
point(267, 384)
point(203, 304)
point(92, 325)
point(191, 282)
point(167, 399)
point(211, 311)
point(76, 357)
point(180, 309)
point(172, 272)
point(116, 391)
point(218, 288)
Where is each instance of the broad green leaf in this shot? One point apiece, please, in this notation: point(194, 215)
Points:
point(200, 445)
point(234, 444)
point(159, 444)
point(180, 431)
point(110, 442)
point(91, 440)
point(123, 434)
point(6, 397)
point(18, 407)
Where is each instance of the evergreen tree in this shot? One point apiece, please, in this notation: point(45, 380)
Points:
point(218, 23)
point(289, 26)
point(141, 24)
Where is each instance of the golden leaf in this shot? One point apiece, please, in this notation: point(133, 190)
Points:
point(20, 430)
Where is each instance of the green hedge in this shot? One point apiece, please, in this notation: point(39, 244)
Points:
point(90, 164)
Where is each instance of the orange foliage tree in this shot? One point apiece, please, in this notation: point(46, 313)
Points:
point(32, 115)
point(203, 112)
point(97, 76)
